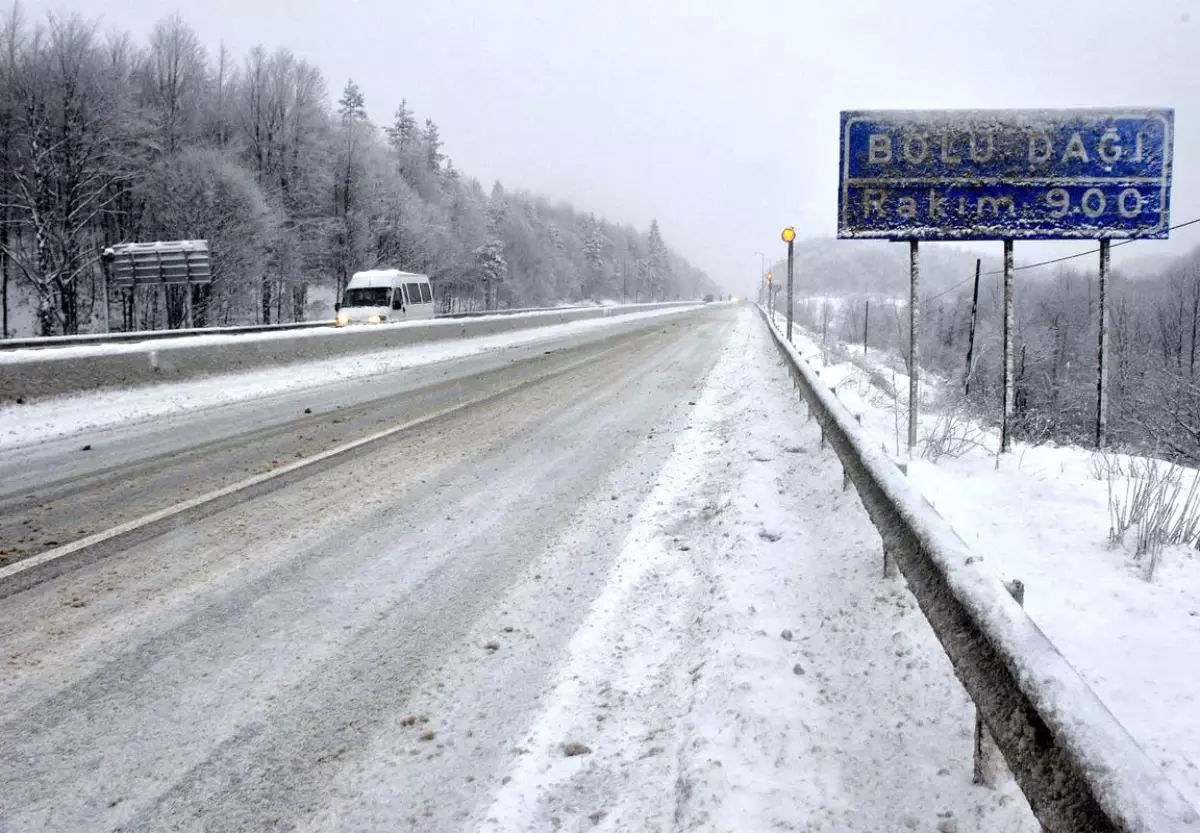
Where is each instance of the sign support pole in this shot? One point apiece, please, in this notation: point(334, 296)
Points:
point(107, 300)
point(790, 290)
point(789, 237)
point(1102, 353)
point(106, 259)
point(1009, 327)
point(914, 340)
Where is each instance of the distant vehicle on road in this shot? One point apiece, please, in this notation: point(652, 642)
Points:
point(382, 295)
point(708, 299)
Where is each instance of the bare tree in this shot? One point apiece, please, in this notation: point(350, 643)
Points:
point(174, 79)
point(65, 165)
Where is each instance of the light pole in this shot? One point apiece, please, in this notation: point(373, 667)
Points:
point(789, 237)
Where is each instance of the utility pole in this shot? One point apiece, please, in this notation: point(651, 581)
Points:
point(971, 337)
point(866, 325)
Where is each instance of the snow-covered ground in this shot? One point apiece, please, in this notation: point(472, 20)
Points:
point(31, 423)
point(745, 666)
point(1041, 514)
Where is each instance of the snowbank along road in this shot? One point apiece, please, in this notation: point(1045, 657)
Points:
point(622, 591)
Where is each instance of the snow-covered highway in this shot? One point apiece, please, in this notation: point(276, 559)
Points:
point(621, 589)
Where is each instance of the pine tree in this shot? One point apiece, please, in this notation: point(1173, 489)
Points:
point(658, 268)
point(403, 132)
point(491, 269)
point(433, 146)
point(594, 246)
point(352, 106)
point(497, 210)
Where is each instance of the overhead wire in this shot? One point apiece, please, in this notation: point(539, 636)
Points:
point(1052, 261)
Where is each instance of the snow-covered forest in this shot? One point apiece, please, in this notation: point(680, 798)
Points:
point(105, 139)
point(848, 287)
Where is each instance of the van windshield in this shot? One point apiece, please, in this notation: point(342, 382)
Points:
point(367, 296)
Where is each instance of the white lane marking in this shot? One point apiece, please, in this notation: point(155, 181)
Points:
point(48, 556)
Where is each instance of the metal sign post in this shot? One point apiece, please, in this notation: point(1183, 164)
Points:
point(1009, 327)
point(1102, 353)
point(106, 259)
point(789, 237)
point(914, 339)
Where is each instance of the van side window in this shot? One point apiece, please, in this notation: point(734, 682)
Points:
point(426, 294)
point(414, 293)
point(399, 295)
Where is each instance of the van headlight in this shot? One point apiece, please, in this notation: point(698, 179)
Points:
point(343, 319)
point(374, 319)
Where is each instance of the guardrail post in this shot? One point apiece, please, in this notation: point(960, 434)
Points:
point(987, 754)
point(890, 570)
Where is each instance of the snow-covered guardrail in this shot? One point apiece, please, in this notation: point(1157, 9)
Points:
point(50, 342)
point(29, 374)
point(1078, 767)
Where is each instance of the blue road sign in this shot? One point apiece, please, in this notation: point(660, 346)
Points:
point(1005, 174)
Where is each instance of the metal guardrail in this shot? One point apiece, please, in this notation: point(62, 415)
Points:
point(1076, 764)
point(47, 342)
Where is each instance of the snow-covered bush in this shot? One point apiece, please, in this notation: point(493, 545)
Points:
point(1153, 500)
point(953, 434)
point(1104, 467)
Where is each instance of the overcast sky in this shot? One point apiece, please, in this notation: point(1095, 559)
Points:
point(718, 118)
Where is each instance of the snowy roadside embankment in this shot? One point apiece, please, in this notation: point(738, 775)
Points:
point(1041, 514)
point(30, 423)
point(745, 667)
